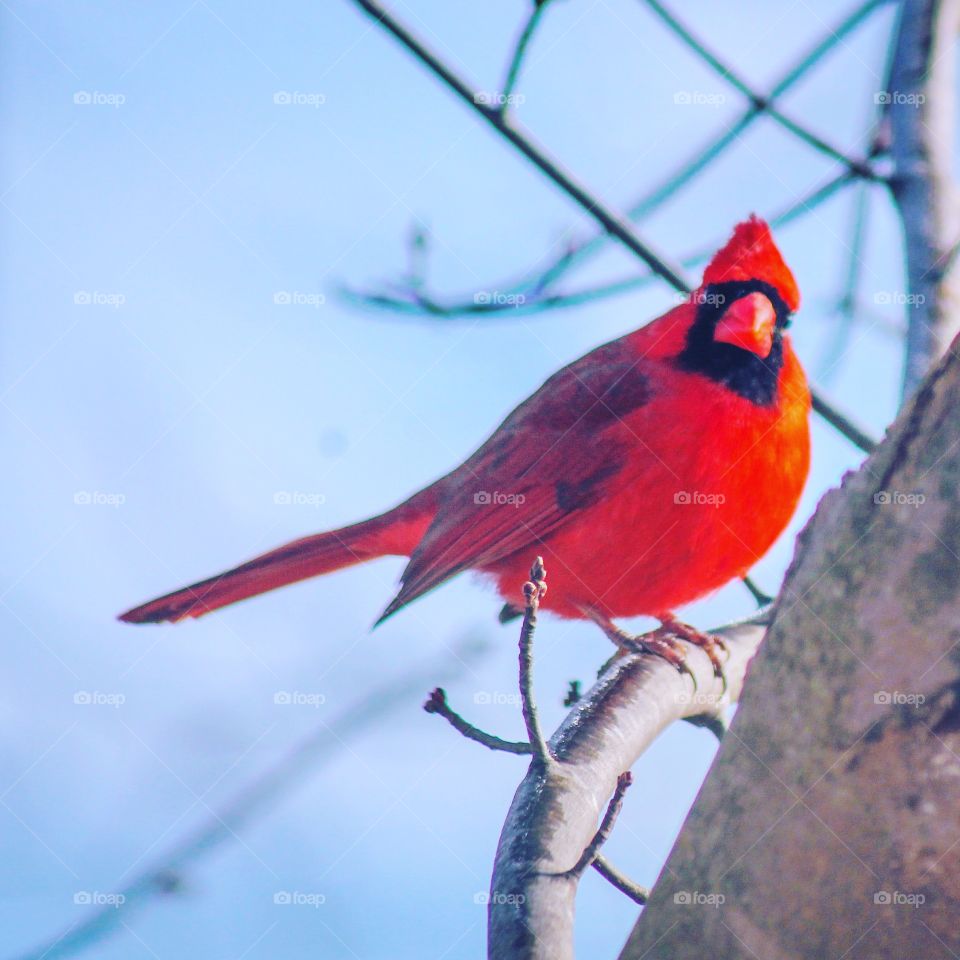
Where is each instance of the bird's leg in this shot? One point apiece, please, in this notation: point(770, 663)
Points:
point(709, 643)
point(660, 643)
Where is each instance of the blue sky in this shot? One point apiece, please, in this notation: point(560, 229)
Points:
point(156, 398)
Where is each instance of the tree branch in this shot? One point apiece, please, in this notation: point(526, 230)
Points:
point(625, 885)
point(614, 223)
point(553, 817)
point(437, 703)
point(921, 108)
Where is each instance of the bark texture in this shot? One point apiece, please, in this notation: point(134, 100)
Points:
point(829, 825)
point(556, 809)
point(921, 106)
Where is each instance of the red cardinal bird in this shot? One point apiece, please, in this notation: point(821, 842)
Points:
point(647, 473)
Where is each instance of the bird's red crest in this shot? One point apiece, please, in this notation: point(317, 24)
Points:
point(751, 254)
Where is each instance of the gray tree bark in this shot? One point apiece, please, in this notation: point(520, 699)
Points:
point(829, 825)
point(555, 811)
point(921, 108)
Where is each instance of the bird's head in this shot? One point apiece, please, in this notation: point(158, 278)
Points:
point(741, 309)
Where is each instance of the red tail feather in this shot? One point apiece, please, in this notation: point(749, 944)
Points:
point(393, 533)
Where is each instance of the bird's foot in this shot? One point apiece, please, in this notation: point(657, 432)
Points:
point(660, 642)
point(711, 644)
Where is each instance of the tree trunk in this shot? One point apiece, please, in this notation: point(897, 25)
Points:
point(829, 825)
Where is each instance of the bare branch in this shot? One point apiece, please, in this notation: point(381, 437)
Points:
point(860, 167)
point(533, 590)
point(614, 223)
point(437, 703)
point(607, 824)
point(624, 884)
point(842, 423)
point(553, 817)
point(536, 288)
point(520, 50)
point(921, 109)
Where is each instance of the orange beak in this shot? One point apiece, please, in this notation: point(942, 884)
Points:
point(748, 323)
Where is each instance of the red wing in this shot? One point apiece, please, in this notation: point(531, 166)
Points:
point(555, 455)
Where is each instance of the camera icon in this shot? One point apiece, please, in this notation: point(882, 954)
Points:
point(82, 898)
point(82, 97)
point(882, 97)
point(483, 498)
point(282, 97)
point(282, 897)
point(683, 97)
point(82, 697)
point(683, 897)
point(482, 698)
point(682, 497)
point(882, 697)
point(282, 697)
point(882, 897)
point(282, 297)
point(82, 298)
point(882, 497)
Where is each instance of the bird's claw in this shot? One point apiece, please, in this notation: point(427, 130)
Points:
point(709, 643)
point(662, 644)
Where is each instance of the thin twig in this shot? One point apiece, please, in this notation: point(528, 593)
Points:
point(534, 285)
point(437, 703)
point(605, 828)
point(623, 883)
point(416, 302)
point(520, 50)
point(613, 222)
point(861, 168)
point(843, 424)
point(533, 590)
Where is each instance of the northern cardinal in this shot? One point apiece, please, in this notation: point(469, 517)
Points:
point(647, 473)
